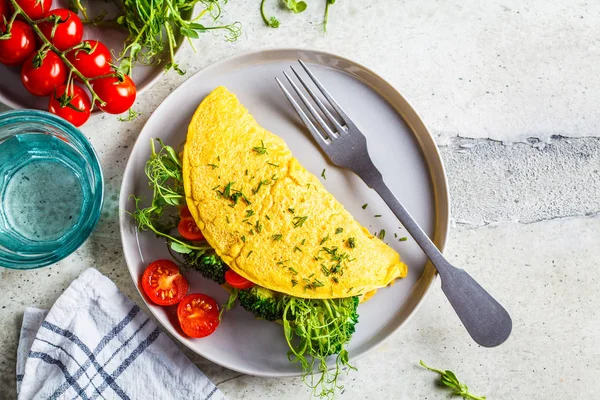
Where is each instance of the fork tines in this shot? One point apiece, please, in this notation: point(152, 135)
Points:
point(329, 131)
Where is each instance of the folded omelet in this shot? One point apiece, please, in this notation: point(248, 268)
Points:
point(267, 217)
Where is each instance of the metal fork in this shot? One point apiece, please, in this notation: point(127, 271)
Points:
point(485, 319)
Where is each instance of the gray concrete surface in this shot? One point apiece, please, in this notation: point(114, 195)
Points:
point(510, 90)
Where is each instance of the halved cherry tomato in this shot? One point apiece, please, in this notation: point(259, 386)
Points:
point(184, 212)
point(189, 230)
point(40, 77)
point(69, 29)
point(198, 315)
point(92, 61)
point(163, 283)
point(118, 95)
point(72, 104)
point(236, 280)
point(19, 46)
point(35, 9)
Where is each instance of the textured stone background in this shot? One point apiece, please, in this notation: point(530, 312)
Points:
point(510, 89)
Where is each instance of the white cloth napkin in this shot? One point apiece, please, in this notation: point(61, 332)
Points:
point(95, 343)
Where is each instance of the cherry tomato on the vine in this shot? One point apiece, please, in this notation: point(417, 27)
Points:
point(72, 103)
point(35, 9)
point(92, 60)
point(4, 14)
point(41, 73)
point(69, 29)
point(19, 46)
point(117, 95)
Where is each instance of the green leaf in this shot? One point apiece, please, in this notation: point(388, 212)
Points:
point(287, 329)
point(197, 27)
point(230, 302)
point(189, 33)
point(179, 248)
point(295, 6)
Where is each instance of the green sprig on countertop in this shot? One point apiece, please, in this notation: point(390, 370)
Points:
point(296, 6)
point(449, 379)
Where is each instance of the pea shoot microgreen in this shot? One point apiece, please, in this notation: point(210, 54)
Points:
point(449, 379)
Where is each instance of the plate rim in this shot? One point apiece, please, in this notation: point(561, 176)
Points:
point(437, 174)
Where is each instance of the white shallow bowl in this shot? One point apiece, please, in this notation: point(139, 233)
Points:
point(400, 146)
point(14, 94)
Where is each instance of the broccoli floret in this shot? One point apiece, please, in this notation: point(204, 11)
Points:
point(263, 303)
point(209, 265)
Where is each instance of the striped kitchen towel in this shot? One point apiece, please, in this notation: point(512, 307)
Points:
point(95, 343)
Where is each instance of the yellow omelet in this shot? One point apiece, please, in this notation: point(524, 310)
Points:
point(271, 220)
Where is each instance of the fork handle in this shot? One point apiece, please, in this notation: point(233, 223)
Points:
point(488, 323)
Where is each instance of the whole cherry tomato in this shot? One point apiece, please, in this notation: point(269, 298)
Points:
point(41, 73)
point(19, 46)
point(92, 60)
point(35, 9)
point(72, 103)
point(4, 14)
point(117, 95)
point(69, 29)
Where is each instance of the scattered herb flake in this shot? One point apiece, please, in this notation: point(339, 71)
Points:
point(249, 213)
point(213, 166)
point(381, 234)
point(274, 165)
point(299, 221)
point(377, 215)
point(339, 230)
point(277, 236)
point(244, 239)
point(250, 252)
point(260, 184)
point(293, 271)
point(323, 174)
point(296, 248)
point(403, 239)
point(261, 149)
point(364, 207)
point(294, 282)
point(291, 210)
point(326, 238)
point(351, 242)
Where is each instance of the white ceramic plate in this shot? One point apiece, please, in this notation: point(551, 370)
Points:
point(400, 146)
point(14, 94)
